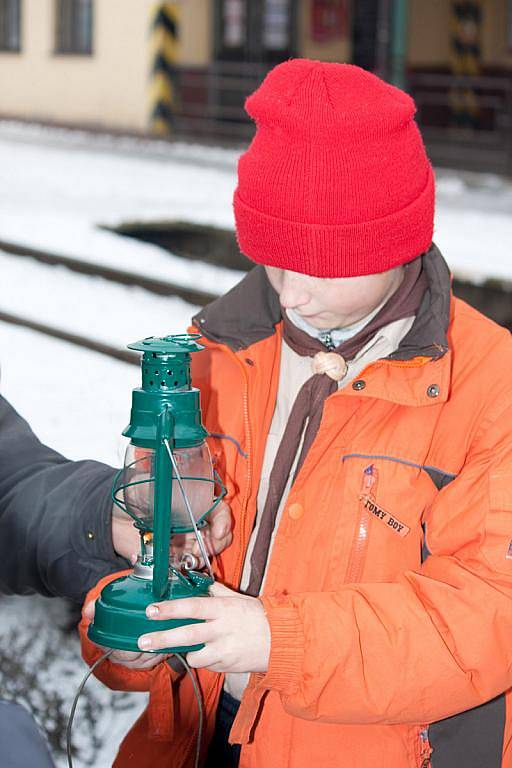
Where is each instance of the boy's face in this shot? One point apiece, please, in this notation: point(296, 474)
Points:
point(333, 302)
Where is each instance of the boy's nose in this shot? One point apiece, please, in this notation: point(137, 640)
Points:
point(293, 293)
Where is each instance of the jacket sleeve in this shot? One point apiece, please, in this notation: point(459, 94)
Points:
point(55, 516)
point(430, 645)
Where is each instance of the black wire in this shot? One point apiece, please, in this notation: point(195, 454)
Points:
point(75, 702)
point(99, 661)
point(189, 672)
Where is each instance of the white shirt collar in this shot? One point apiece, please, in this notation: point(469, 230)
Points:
point(335, 335)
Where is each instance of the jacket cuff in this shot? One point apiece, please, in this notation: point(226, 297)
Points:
point(285, 666)
point(92, 536)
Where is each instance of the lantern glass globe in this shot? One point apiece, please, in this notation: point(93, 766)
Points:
point(196, 470)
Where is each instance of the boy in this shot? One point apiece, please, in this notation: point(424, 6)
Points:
point(368, 587)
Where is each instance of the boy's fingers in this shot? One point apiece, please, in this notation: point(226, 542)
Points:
point(141, 660)
point(186, 635)
point(89, 610)
point(206, 657)
point(121, 657)
point(185, 608)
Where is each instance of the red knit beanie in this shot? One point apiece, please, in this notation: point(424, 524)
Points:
point(336, 181)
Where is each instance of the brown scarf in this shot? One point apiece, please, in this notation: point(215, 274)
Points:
point(308, 406)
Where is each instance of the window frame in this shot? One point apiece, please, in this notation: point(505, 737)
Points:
point(67, 40)
point(253, 48)
point(7, 6)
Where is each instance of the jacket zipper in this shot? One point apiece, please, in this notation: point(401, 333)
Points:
point(248, 483)
point(425, 749)
point(245, 501)
point(360, 539)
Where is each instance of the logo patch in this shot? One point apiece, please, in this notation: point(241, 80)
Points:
point(389, 520)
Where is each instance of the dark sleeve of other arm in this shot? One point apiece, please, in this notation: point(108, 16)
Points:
point(55, 516)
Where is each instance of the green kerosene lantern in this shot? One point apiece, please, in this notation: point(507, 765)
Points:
point(167, 487)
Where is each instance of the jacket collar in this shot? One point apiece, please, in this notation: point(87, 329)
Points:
point(250, 312)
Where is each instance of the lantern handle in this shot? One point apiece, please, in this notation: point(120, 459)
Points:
point(198, 535)
point(162, 505)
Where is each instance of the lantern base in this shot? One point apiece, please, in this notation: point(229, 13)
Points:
point(120, 615)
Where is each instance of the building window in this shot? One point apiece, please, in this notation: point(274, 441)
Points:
point(234, 23)
point(74, 26)
point(10, 25)
point(276, 25)
point(260, 30)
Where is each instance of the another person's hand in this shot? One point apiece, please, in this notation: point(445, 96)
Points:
point(125, 537)
point(216, 535)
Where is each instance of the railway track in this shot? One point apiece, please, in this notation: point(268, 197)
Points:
point(118, 276)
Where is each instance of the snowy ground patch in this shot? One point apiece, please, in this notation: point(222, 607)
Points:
point(41, 668)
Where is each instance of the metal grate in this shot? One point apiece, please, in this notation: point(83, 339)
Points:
point(485, 145)
point(211, 101)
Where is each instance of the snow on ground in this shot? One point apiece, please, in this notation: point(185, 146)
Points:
point(55, 197)
point(57, 186)
point(41, 668)
point(179, 151)
point(88, 306)
point(473, 225)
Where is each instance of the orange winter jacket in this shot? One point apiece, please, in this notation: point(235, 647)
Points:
point(389, 587)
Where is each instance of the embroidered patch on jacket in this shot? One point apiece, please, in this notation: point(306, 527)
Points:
point(392, 522)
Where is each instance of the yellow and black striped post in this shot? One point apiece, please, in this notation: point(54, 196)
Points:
point(163, 89)
point(465, 60)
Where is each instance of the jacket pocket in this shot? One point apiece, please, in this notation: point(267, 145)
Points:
point(383, 504)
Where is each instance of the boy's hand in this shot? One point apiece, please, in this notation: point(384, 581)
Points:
point(235, 631)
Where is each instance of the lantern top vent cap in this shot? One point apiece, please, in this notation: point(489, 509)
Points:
point(177, 344)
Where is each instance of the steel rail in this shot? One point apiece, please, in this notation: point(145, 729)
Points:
point(119, 276)
point(153, 285)
point(72, 338)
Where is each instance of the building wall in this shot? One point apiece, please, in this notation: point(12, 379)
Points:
point(108, 88)
point(335, 50)
point(495, 47)
point(429, 34)
point(196, 32)
point(428, 41)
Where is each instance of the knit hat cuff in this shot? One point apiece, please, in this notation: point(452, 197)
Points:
point(337, 250)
